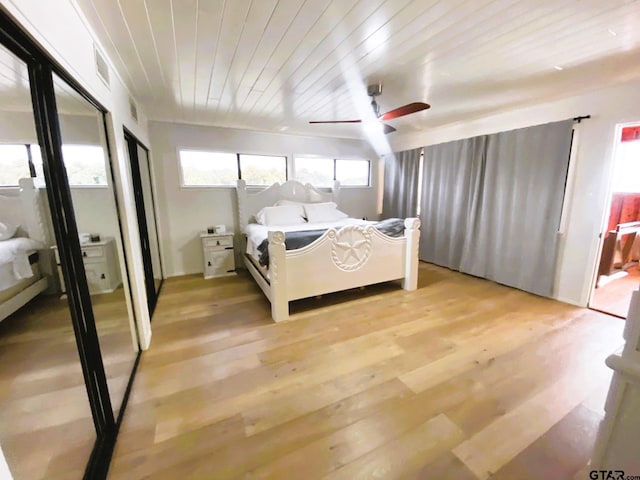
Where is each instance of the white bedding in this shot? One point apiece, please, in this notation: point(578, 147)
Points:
point(14, 258)
point(257, 233)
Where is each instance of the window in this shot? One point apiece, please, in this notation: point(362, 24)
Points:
point(353, 172)
point(321, 172)
point(318, 172)
point(14, 164)
point(85, 165)
point(217, 169)
point(208, 168)
point(262, 169)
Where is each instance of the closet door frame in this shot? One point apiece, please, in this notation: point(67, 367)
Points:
point(41, 69)
point(133, 143)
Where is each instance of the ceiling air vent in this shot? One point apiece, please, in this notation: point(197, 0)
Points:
point(133, 109)
point(102, 68)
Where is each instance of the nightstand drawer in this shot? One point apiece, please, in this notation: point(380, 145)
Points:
point(209, 242)
point(93, 254)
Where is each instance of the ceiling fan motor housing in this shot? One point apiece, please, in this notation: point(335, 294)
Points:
point(374, 90)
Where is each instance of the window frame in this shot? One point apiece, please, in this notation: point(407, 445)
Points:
point(238, 167)
point(335, 163)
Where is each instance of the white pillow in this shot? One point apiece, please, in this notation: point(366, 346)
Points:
point(7, 230)
point(281, 215)
point(323, 212)
point(288, 202)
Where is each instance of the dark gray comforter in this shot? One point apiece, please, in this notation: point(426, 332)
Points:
point(394, 227)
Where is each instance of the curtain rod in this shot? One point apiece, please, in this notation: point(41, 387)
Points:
point(579, 119)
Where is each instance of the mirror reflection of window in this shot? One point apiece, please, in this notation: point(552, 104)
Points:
point(14, 164)
point(85, 164)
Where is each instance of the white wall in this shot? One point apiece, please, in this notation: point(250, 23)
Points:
point(64, 32)
point(19, 127)
point(184, 212)
point(586, 205)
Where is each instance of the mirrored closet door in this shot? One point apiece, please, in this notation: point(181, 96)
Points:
point(86, 157)
point(147, 222)
point(46, 424)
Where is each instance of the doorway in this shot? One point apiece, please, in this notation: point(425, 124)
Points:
point(146, 213)
point(618, 272)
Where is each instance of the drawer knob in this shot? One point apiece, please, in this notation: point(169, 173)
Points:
point(217, 242)
point(209, 263)
point(84, 254)
point(102, 276)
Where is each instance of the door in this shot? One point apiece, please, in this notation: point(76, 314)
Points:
point(147, 224)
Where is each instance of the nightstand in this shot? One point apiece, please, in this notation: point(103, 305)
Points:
point(101, 266)
point(218, 255)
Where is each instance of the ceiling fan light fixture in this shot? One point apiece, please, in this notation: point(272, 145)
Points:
point(373, 127)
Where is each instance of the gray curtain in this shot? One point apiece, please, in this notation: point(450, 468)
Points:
point(495, 211)
point(514, 238)
point(450, 191)
point(400, 197)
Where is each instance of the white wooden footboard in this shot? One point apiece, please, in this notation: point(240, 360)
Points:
point(351, 257)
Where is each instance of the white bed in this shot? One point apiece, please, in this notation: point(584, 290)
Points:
point(322, 267)
point(21, 279)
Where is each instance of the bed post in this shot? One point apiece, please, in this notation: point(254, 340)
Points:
point(31, 202)
point(278, 277)
point(335, 191)
point(241, 192)
point(412, 234)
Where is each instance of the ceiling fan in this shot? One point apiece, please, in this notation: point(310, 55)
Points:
point(373, 91)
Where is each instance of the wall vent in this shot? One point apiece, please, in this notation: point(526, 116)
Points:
point(102, 67)
point(133, 109)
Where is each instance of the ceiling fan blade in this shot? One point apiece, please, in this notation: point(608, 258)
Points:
point(405, 110)
point(337, 121)
point(388, 129)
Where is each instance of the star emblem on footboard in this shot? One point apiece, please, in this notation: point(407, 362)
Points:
point(351, 247)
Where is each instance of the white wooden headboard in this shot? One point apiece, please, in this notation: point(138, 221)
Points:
point(28, 209)
point(11, 209)
point(251, 203)
point(37, 218)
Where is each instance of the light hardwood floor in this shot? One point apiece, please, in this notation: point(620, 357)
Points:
point(461, 379)
point(614, 297)
point(46, 427)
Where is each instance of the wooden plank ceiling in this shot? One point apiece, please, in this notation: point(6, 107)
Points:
point(276, 64)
